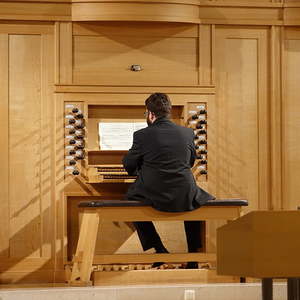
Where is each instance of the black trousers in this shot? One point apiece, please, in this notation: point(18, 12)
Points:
point(150, 239)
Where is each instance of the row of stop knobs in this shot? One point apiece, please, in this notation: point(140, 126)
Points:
point(75, 134)
point(199, 123)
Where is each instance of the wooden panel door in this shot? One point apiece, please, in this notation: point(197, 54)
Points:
point(242, 122)
point(27, 156)
point(239, 134)
point(291, 119)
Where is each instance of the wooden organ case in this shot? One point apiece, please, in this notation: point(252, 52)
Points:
point(241, 60)
point(142, 59)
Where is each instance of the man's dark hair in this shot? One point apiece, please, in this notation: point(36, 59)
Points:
point(159, 104)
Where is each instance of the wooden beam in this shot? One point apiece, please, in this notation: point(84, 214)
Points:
point(146, 213)
point(151, 258)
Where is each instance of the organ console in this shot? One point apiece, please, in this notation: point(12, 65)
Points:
point(99, 166)
point(105, 165)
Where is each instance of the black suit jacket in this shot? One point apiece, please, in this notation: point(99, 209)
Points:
point(162, 156)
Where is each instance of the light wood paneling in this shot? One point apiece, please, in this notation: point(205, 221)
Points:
point(241, 15)
point(4, 152)
point(25, 144)
point(238, 124)
point(206, 53)
point(27, 193)
point(239, 12)
point(187, 2)
point(291, 120)
point(257, 235)
point(47, 147)
point(107, 60)
point(35, 10)
point(241, 123)
point(243, 3)
point(25, 27)
point(64, 55)
point(130, 29)
point(89, 90)
point(291, 15)
point(250, 124)
point(60, 205)
point(138, 11)
point(276, 117)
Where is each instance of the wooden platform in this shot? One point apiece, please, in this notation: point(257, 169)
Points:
point(149, 277)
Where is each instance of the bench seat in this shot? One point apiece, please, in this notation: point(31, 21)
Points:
point(130, 203)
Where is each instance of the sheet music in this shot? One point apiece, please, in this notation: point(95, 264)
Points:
point(118, 135)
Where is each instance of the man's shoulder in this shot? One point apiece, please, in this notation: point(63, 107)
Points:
point(186, 130)
point(140, 132)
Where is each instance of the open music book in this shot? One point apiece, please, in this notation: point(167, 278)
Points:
point(118, 135)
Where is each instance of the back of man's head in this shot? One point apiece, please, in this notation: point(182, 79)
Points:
point(159, 104)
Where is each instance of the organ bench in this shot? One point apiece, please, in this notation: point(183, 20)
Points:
point(95, 212)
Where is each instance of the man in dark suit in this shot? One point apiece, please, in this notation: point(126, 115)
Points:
point(162, 156)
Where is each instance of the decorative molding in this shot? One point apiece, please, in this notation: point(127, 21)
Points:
point(35, 10)
point(135, 11)
point(133, 89)
point(235, 12)
point(276, 116)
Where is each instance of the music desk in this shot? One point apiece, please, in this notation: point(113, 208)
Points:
point(95, 212)
point(262, 244)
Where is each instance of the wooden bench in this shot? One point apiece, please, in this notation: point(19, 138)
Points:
point(95, 212)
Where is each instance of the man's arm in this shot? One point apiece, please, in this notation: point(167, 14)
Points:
point(133, 160)
point(193, 149)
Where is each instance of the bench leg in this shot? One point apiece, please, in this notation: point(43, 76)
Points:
point(83, 259)
point(293, 289)
point(267, 289)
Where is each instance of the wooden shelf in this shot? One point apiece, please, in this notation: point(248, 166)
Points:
point(107, 151)
point(105, 157)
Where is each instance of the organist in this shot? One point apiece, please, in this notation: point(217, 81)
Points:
point(161, 156)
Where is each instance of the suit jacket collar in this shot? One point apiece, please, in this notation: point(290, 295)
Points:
point(161, 120)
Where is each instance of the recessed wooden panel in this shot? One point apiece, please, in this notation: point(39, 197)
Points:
point(107, 60)
point(238, 126)
point(292, 15)
point(4, 150)
point(242, 126)
point(238, 121)
point(27, 185)
point(48, 184)
point(25, 144)
point(291, 112)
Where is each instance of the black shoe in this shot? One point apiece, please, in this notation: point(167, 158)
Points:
point(192, 265)
point(157, 264)
point(160, 249)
